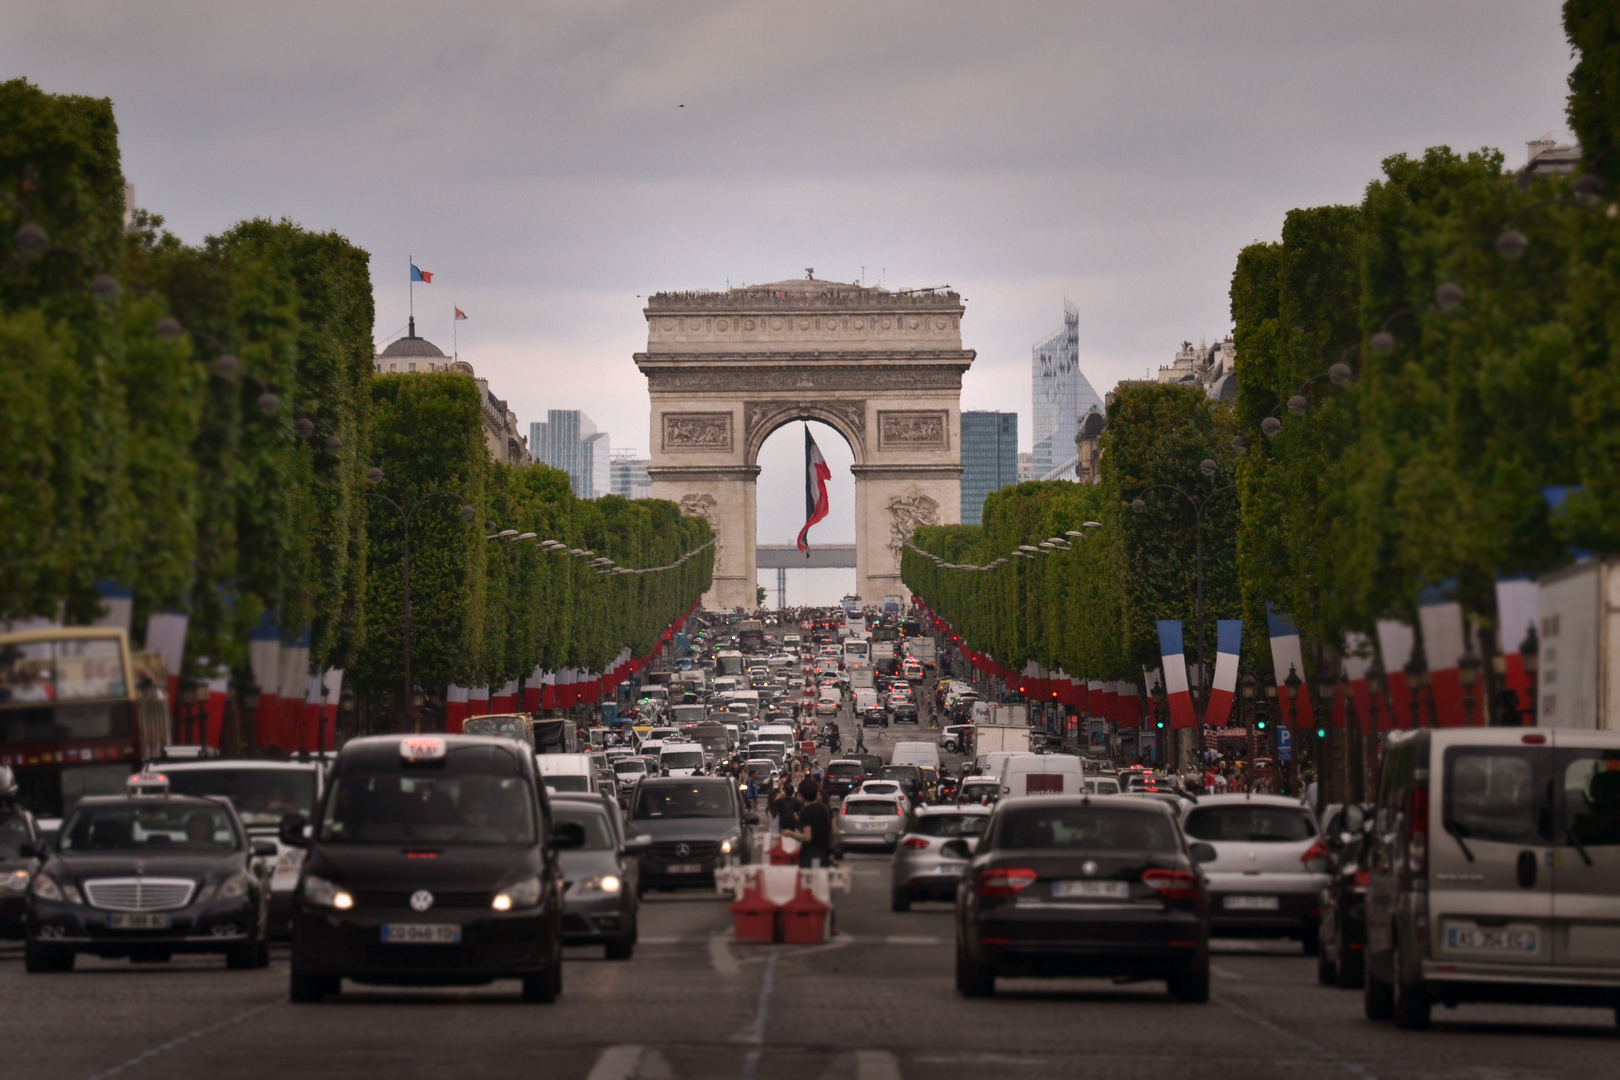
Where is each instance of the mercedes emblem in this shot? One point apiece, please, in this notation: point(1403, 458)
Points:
point(421, 900)
point(1088, 868)
point(683, 850)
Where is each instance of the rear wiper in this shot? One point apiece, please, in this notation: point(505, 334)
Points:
point(1457, 832)
point(1578, 845)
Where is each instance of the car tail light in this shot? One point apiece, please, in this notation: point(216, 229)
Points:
point(1363, 877)
point(1005, 881)
point(1172, 884)
point(916, 843)
point(1417, 846)
point(1316, 856)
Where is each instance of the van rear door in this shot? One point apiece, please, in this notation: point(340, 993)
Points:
point(1490, 817)
point(1585, 868)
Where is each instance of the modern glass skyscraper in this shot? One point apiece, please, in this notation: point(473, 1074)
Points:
point(1062, 394)
point(989, 459)
point(570, 442)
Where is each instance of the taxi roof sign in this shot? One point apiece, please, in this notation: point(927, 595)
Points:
point(421, 748)
point(148, 783)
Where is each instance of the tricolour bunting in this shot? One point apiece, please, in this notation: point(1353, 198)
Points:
point(1228, 644)
point(1443, 646)
point(1286, 657)
point(1516, 610)
point(1395, 642)
point(1172, 650)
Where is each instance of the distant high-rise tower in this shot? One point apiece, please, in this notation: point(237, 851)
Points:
point(989, 459)
point(1062, 394)
point(570, 442)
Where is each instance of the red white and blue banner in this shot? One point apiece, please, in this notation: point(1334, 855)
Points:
point(117, 605)
point(1286, 657)
point(1228, 644)
point(816, 475)
point(1396, 641)
point(1516, 610)
point(1444, 637)
point(1173, 650)
point(505, 699)
point(166, 634)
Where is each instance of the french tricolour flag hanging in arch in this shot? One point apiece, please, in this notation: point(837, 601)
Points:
point(816, 475)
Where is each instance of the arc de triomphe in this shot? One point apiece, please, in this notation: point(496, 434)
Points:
point(725, 369)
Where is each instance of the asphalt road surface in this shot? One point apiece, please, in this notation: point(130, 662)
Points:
point(876, 1003)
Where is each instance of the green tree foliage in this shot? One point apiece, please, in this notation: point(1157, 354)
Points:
point(1593, 29)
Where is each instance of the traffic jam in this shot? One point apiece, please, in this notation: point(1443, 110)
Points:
point(764, 769)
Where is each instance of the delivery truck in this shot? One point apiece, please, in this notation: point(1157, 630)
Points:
point(991, 738)
point(922, 648)
point(1578, 627)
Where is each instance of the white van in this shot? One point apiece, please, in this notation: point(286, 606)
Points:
point(916, 753)
point(866, 699)
point(1042, 774)
point(567, 772)
point(680, 758)
point(991, 763)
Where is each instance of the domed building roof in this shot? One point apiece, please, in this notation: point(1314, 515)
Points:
point(412, 346)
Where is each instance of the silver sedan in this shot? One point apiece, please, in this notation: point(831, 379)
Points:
point(922, 869)
point(871, 821)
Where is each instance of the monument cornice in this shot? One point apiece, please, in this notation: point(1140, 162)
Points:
point(902, 471)
point(693, 473)
point(678, 379)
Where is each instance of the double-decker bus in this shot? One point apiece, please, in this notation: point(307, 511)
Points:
point(73, 719)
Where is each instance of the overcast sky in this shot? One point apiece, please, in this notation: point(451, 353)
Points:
point(552, 163)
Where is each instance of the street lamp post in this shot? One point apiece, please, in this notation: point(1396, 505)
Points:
point(408, 704)
point(1371, 741)
point(1247, 684)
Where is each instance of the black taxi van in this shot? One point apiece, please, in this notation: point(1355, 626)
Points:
point(147, 875)
point(432, 861)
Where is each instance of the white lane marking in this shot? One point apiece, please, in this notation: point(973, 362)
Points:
point(644, 940)
point(180, 1041)
point(910, 939)
point(876, 1065)
point(1224, 973)
point(762, 1015)
point(616, 1063)
point(1321, 1051)
point(720, 956)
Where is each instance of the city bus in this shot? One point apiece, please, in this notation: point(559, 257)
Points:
point(857, 652)
point(76, 718)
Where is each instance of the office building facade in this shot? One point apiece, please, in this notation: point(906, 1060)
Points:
point(989, 459)
point(1062, 395)
point(569, 441)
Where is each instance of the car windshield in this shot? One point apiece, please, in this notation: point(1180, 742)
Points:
point(666, 801)
point(843, 768)
point(598, 831)
point(901, 773)
point(624, 768)
point(13, 835)
point(1089, 828)
point(261, 796)
point(394, 807)
point(682, 759)
point(173, 826)
point(1256, 822)
point(951, 825)
point(568, 782)
point(872, 808)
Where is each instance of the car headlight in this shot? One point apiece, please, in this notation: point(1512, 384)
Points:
point(235, 887)
point(730, 844)
point(523, 894)
point(322, 893)
point(608, 883)
point(14, 882)
point(47, 888)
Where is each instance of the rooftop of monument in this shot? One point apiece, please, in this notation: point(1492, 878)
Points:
point(802, 293)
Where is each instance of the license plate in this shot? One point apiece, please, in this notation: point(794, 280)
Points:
point(421, 933)
point(684, 868)
point(1251, 903)
point(138, 922)
point(1493, 940)
point(1113, 890)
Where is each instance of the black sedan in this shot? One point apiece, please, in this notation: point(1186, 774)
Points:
point(1105, 886)
point(147, 876)
point(693, 825)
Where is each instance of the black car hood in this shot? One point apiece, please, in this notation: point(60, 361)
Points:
point(129, 864)
point(389, 866)
point(690, 828)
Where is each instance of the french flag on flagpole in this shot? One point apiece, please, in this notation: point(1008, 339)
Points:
point(1358, 659)
point(1228, 644)
point(1286, 656)
point(1516, 609)
point(1443, 636)
point(424, 276)
point(1171, 648)
point(816, 475)
point(1395, 642)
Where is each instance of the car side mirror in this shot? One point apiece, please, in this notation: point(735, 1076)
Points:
point(34, 849)
point(291, 831)
point(567, 834)
point(1203, 853)
point(637, 845)
point(750, 819)
point(264, 849)
point(956, 849)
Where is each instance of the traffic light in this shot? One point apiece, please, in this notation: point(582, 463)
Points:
point(1260, 725)
point(1321, 733)
point(1161, 723)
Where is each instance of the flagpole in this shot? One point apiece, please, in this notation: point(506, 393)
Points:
point(412, 287)
point(455, 350)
